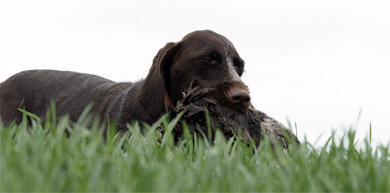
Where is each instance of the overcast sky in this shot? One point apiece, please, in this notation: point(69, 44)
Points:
point(314, 62)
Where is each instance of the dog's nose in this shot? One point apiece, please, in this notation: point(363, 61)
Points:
point(239, 98)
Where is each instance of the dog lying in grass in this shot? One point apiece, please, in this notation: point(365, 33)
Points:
point(201, 71)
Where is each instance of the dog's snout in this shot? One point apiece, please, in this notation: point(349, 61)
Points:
point(239, 98)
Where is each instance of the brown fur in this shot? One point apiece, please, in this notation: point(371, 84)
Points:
point(201, 56)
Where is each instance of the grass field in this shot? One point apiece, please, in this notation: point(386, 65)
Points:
point(46, 160)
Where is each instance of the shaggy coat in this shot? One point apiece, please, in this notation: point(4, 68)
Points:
point(204, 58)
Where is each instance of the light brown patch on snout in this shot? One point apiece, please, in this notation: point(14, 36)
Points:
point(239, 97)
point(234, 95)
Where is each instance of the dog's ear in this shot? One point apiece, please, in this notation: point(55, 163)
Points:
point(164, 58)
point(151, 93)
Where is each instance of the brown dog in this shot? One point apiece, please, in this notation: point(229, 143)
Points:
point(204, 58)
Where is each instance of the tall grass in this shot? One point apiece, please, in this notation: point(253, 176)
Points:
point(44, 159)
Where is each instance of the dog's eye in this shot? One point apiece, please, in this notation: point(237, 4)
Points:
point(211, 58)
point(238, 64)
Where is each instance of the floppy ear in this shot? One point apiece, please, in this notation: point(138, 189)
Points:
point(151, 93)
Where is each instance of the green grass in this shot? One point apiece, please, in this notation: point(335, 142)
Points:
point(39, 159)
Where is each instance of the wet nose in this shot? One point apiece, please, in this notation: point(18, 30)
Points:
point(239, 98)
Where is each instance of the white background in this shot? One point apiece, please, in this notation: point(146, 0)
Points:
point(314, 62)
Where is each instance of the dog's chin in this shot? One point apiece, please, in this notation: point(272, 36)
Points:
point(219, 92)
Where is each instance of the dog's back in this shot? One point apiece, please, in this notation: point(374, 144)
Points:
point(70, 91)
point(203, 58)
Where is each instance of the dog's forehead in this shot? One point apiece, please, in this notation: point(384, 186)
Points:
point(207, 40)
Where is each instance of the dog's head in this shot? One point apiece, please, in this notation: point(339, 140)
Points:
point(202, 58)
